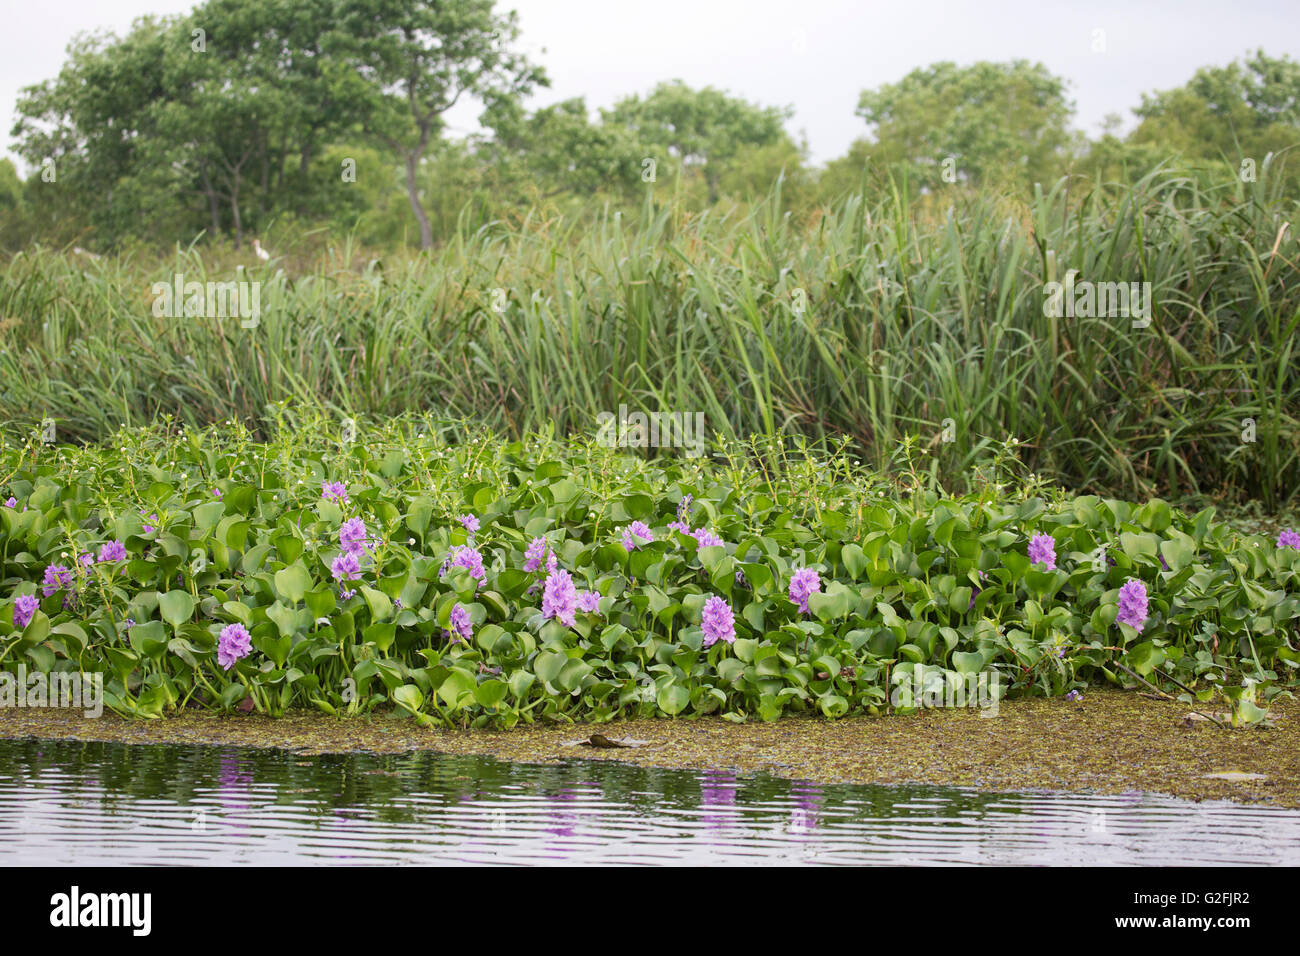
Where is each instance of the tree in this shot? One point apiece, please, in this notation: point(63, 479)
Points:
point(557, 149)
point(1244, 110)
point(704, 129)
point(985, 123)
point(418, 58)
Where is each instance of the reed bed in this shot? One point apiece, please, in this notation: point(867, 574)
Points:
point(883, 316)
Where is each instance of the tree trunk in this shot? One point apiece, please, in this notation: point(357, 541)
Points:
point(234, 209)
point(212, 203)
point(412, 193)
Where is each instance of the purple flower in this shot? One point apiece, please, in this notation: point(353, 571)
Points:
point(560, 597)
point(534, 555)
point(1162, 562)
point(707, 539)
point(112, 551)
point(12, 502)
point(128, 624)
point(637, 529)
point(589, 601)
point(216, 492)
point(150, 528)
point(803, 584)
point(346, 567)
point(1042, 550)
point(86, 560)
point(1132, 604)
point(470, 522)
point(234, 643)
point(352, 536)
point(467, 557)
point(56, 576)
point(1073, 696)
point(461, 626)
point(717, 622)
point(25, 606)
point(684, 507)
point(334, 491)
point(1287, 539)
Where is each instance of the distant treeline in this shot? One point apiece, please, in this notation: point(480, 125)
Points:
point(257, 117)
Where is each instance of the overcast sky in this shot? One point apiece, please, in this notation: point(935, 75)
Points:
point(814, 55)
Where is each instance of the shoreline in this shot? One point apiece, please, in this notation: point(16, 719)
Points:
point(1110, 742)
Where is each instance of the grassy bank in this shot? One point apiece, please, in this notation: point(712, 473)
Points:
point(883, 316)
point(493, 583)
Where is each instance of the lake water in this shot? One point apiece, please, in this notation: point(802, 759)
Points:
point(95, 804)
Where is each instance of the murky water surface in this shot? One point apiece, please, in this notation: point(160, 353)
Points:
point(95, 804)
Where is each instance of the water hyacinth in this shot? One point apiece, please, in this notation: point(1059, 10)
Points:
point(1042, 550)
point(112, 551)
point(346, 567)
point(635, 533)
point(804, 583)
point(707, 539)
point(148, 528)
point(86, 560)
point(25, 606)
point(534, 555)
point(233, 643)
point(1132, 604)
point(334, 491)
point(352, 536)
point(462, 628)
point(468, 557)
point(682, 523)
point(1288, 539)
point(11, 502)
point(560, 598)
point(588, 601)
point(470, 523)
point(56, 576)
point(717, 622)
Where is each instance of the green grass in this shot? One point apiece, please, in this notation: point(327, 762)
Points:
point(917, 311)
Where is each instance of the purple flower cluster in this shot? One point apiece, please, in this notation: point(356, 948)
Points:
point(536, 553)
point(468, 557)
point(707, 539)
point(636, 530)
point(346, 567)
point(352, 536)
point(804, 583)
point(589, 602)
point(470, 522)
point(1042, 550)
point(11, 502)
point(560, 597)
point(148, 528)
point(1133, 604)
point(682, 523)
point(25, 606)
point(334, 491)
point(233, 643)
point(717, 622)
point(112, 551)
point(1288, 539)
point(462, 628)
point(56, 576)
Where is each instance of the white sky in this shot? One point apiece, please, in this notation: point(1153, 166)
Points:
point(815, 55)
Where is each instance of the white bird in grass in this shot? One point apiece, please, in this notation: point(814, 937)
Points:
point(261, 253)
